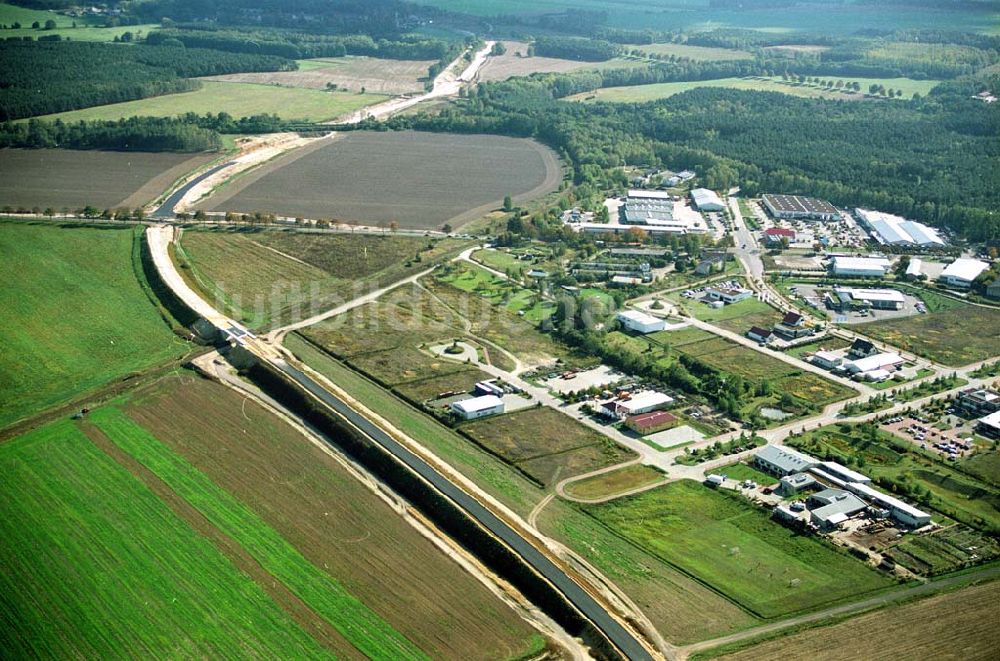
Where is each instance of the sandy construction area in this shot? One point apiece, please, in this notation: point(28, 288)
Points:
point(376, 76)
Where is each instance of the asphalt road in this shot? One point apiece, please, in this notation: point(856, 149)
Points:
point(166, 210)
point(585, 603)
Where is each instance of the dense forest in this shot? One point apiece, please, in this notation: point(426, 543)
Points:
point(932, 159)
point(378, 18)
point(134, 134)
point(300, 45)
point(575, 48)
point(43, 78)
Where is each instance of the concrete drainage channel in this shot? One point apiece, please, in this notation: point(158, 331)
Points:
point(460, 515)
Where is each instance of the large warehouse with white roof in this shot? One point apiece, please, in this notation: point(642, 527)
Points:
point(962, 272)
point(892, 230)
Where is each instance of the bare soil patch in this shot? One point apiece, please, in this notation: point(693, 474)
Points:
point(515, 62)
point(390, 77)
point(60, 178)
point(418, 180)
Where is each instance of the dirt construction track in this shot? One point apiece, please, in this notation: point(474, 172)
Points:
point(419, 180)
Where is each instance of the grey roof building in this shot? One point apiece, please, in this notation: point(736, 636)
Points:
point(783, 461)
point(831, 507)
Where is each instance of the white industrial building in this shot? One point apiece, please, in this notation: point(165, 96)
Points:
point(880, 299)
point(892, 230)
point(827, 359)
point(989, 425)
point(636, 403)
point(914, 268)
point(478, 407)
point(962, 272)
point(728, 294)
point(783, 461)
point(902, 512)
point(880, 361)
point(641, 322)
point(860, 267)
point(706, 200)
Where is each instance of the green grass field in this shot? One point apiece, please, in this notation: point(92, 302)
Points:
point(75, 315)
point(643, 93)
point(742, 472)
point(956, 335)
point(359, 625)
point(237, 99)
point(735, 548)
point(96, 566)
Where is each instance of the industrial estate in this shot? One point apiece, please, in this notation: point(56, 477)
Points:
point(456, 330)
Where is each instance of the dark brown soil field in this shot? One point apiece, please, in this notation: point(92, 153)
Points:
point(418, 180)
point(60, 178)
point(333, 520)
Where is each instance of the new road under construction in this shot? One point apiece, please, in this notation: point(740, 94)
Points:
point(483, 529)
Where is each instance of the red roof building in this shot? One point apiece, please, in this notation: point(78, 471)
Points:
point(780, 232)
point(654, 421)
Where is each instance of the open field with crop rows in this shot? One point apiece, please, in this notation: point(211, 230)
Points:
point(300, 274)
point(61, 178)
point(736, 548)
point(950, 625)
point(237, 99)
point(75, 315)
point(419, 180)
point(343, 535)
point(515, 62)
point(97, 566)
point(376, 76)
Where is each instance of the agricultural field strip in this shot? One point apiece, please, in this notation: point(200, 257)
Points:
point(949, 610)
point(184, 596)
point(359, 625)
point(76, 315)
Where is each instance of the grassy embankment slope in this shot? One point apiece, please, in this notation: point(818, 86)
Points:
point(75, 315)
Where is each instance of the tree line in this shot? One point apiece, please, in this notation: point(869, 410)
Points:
point(43, 78)
point(303, 45)
point(133, 134)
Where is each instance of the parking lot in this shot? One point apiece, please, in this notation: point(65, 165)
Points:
point(575, 381)
point(832, 234)
point(952, 443)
